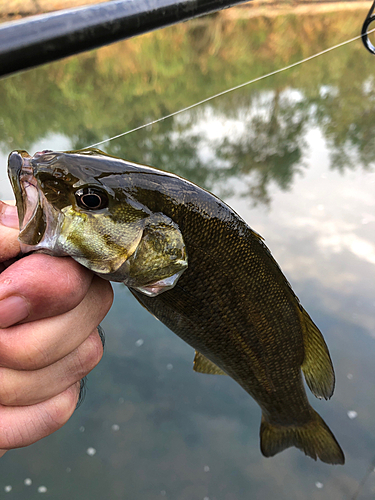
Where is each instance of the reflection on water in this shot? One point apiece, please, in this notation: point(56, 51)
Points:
point(294, 156)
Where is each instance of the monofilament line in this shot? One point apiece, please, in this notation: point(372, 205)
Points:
point(230, 90)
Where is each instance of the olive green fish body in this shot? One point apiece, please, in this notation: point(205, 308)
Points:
point(234, 305)
point(198, 267)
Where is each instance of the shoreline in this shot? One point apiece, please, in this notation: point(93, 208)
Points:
point(272, 9)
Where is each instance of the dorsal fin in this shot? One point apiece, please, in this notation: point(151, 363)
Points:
point(317, 365)
point(204, 365)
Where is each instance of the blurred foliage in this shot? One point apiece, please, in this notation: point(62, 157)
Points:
point(105, 92)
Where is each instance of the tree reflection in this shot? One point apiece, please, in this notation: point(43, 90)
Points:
point(118, 88)
point(346, 115)
point(271, 145)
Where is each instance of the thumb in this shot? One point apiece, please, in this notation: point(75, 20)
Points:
point(8, 214)
point(9, 246)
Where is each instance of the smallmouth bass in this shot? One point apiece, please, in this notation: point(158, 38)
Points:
point(192, 262)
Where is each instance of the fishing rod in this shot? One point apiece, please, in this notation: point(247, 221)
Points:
point(45, 38)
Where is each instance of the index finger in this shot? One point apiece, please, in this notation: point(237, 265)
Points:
point(39, 286)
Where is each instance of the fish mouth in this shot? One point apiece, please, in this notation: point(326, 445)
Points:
point(37, 218)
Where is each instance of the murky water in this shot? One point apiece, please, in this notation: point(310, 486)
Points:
point(294, 156)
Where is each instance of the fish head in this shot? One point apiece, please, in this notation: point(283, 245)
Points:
point(79, 204)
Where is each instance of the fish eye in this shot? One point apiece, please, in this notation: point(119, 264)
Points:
point(91, 199)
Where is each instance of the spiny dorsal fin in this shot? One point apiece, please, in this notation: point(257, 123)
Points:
point(317, 365)
point(204, 365)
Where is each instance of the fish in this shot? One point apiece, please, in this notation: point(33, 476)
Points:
point(194, 264)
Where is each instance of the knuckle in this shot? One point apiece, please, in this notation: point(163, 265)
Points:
point(61, 410)
point(89, 354)
point(104, 294)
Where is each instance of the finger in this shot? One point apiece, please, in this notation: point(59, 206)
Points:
point(30, 387)
point(35, 345)
point(8, 214)
point(24, 425)
point(9, 230)
point(40, 286)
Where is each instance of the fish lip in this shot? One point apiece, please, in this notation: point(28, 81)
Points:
point(38, 220)
point(25, 187)
point(31, 195)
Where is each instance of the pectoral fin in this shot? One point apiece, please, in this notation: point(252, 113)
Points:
point(317, 365)
point(204, 365)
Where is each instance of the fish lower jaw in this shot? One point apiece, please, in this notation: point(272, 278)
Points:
point(41, 247)
point(48, 243)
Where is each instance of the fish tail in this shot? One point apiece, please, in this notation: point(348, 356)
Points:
point(315, 439)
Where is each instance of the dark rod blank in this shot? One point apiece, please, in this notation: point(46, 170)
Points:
point(41, 39)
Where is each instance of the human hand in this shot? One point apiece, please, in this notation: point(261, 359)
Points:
point(49, 310)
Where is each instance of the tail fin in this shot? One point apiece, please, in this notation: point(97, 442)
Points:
point(314, 438)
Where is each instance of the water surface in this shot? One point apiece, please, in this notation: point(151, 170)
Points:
point(294, 156)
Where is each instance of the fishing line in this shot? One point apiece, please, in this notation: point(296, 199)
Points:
point(224, 92)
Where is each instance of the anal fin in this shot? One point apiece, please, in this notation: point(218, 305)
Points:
point(204, 365)
point(317, 365)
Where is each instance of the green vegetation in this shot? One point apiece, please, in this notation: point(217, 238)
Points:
point(117, 88)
